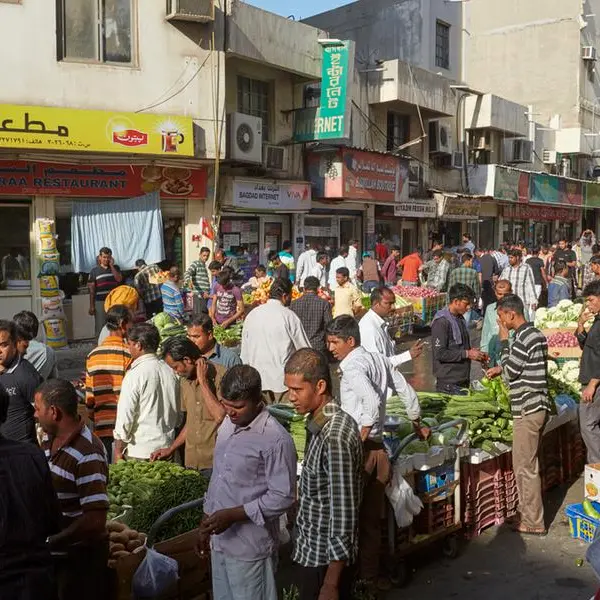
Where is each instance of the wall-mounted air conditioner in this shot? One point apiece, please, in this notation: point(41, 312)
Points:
point(245, 138)
point(199, 11)
point(549, 157)
point(440, 138)
point(588, 53)
point(274, 157)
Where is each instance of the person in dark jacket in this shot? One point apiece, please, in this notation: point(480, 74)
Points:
point(452, 352)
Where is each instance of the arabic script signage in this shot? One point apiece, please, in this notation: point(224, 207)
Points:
point(331, 120)
point(44, 128)
point(357, 175)
point(263, 195)
point(523, 212)
point(458, 208)
point(19, 178)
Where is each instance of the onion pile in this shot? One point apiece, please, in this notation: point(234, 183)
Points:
point(562, 340)
point(414, 292)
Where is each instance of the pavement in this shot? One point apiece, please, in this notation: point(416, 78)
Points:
point(498, 565)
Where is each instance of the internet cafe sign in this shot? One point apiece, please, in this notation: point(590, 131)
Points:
point(270, 195)
point(331, 120)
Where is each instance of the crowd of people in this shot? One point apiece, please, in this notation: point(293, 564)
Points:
point(191, 400)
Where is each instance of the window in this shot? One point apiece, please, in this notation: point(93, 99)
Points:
point(15, 267)
point(312, 95)
point(398, 130)
point(442, 45)
point(95, 30)
point(253, 99)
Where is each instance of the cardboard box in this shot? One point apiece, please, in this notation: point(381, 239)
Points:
point(591, 482)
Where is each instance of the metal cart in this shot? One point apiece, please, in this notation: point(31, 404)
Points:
point(404, 542)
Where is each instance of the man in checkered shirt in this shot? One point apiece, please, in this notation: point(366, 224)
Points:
point(522, 281)
point(148, 291)
point(330, 484)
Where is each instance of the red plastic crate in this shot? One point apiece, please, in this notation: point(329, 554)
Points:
point(435, 517)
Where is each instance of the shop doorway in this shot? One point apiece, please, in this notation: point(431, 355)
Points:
point(409, 237)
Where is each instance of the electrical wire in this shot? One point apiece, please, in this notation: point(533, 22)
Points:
point(181, 89)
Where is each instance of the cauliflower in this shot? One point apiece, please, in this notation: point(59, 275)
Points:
point(552, 367)
point(563, 304)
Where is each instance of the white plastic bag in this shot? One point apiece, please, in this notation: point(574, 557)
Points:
point(404, 501)
point(156, 575)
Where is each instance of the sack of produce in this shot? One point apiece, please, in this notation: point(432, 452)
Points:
point(49, 263)
point(52, 308)
point(48, 286)
point(158, 574)
point(55, 331)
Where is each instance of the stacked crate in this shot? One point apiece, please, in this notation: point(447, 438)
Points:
point(573, 452)
point(551, 464)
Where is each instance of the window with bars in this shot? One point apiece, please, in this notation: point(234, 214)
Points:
point(254, 99)
point(442, 45)
point(95, 30)
point(398, 130)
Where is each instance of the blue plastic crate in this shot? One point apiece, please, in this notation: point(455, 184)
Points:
point(428, 481)
point(582, 527)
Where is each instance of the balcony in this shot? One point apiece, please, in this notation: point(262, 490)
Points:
point(401, 84)
point(492, 112)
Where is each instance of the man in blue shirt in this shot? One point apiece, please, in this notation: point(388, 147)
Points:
point(200, 331)
point(560, 286)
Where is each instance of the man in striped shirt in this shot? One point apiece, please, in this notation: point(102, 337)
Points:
point(522, 281)
point(171, 294)
point(104, 372)
point(77, 461)
point(198, 279)
point(103, 279)
point(524, 366)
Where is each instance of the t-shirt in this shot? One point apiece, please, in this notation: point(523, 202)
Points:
point(566, 255)
point(410, 267)
point(20, 380)
point(536, 264)
point(104, 280)
point(226, 304)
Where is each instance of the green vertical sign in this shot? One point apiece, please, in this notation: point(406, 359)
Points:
point(331, 120)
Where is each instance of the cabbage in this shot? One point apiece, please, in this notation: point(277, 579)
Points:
point(564, 304)
point(416, 447)
point(430, 422)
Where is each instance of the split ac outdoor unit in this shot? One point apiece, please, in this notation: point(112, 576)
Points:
point(518, 150)
point(549, 157)
point(440, 139)
point(245, 138)
point(199, 11)
point(458, 160)
point(274, 157)
point(588, 53)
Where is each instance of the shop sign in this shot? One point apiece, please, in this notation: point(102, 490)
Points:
point(358, 175)
point(511, 185)
point(331, 120)
point(592, 195)
point(259, 195)
point(545, 189)
point(460, 208)
point(419, 208)
point(523, 212)
point(20, 178)
point(46, 128)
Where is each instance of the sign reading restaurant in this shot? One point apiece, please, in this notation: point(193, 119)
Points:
point(47, 128)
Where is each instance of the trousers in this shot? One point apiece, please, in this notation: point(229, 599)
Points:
point(589, 423)
point(527, 436)
point(235, 579)
point(310, 581)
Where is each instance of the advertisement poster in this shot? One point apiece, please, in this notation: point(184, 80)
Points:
point(259, 195)
point(21, 178)
point(545, 189)
point(511, 185)
point(47, 128)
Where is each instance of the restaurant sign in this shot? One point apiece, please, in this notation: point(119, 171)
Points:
point(417, 208)
point(20, 178)
point(270, 195)
point(523, 212)
point(47, 128)
point(331, 120)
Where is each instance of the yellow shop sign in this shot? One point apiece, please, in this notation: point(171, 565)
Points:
point(44, 128)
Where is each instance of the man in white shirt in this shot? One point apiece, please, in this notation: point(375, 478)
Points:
point(307, 261)
point(352, 259)
point(320, 269)
point(365, 379)
point(41, 356)
point(271, 334)
point(374, 332)
point(337, 263)
point(148, 409)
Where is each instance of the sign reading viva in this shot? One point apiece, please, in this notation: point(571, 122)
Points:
point(271, 195)
point(44, 128)
point(331, 119)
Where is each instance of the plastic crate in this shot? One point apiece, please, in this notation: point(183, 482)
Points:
point(435, 517)
point(582, 527)
point(433, 479)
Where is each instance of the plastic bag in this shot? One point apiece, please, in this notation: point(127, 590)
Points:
point(156, 575)
point(404, 501)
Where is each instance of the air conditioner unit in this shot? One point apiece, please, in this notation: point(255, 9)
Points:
point(274, 157)
point(199, 11)
point(518, 150)
point(245, 138)
point(458, 160)
point(588, 53)
point(549, 157)
point(440, 139)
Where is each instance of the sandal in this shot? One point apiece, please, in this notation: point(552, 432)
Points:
point(525, 530)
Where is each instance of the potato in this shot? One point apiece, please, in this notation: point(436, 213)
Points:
point(112, 563)
point(112, 548)
point(121, 554)
point(115, 526)
point(133, 544)
point(118, 538)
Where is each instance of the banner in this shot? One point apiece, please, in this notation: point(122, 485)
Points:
point(522, 212)
point(46, 128)
point(419, 208)
point(511, 185)
point(270, 195)
point(545, 189)
point(592, 195)
point(571, 192)
point(21, 178)
point(458, 208)
point(331, 120)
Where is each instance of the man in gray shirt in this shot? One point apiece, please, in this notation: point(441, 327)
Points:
point(41, 356)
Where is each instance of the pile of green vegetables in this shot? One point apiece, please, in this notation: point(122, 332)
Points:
point(294, 423)
point(143, 491)
point(168, 326)
point(232, 336)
